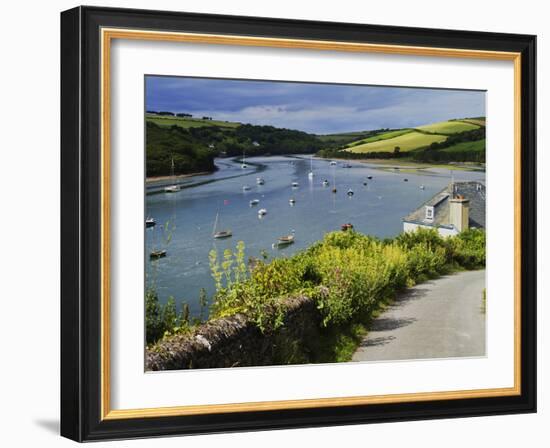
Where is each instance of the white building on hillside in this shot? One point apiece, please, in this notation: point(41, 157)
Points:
point(458, 207)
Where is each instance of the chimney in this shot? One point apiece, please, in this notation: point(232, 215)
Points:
point(460, 212)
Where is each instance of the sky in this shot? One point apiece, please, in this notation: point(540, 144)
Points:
point(310, 107)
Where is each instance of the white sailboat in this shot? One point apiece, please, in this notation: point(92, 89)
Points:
point(174, 187)
point(220, 233)
point(310, 174)
point(244, 165)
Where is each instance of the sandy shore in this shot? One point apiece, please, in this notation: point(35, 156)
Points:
point(151, 180)
point(407, 164)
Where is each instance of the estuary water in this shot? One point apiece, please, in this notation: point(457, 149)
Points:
point(185, 220)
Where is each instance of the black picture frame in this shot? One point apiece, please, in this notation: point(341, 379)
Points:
point(81, 223)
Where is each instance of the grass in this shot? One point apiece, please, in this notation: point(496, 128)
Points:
point(478, 145)
point(476, 121)
point(343, 137)
point(383, 136)
point(448, 127)
point(187, 123)
point(406, 142)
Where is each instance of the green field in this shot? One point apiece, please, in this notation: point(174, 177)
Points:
point(187, 123)
point(477, 121)
point(478, 145)
point(378, 137)
point(406, 142)
point(448, 127)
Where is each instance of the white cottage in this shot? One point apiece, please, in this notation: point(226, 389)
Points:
point(458, 207)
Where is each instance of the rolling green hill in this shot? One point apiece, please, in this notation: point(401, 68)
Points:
point(451, 140)
point(406, 141)
point(186, 123)
point(448, 127)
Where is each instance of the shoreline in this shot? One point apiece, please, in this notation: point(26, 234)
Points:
point(153, 179)
point(407, 164)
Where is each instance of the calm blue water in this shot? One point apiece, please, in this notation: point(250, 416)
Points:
point(375, 209)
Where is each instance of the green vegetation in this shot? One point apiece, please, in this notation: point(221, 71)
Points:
point(479, 121)
point(165, 144)
point(448, 127)
point(194, 142)
point(379, 137)
point(450, 141)
point(186, 122)
point(406, 141)
point(350, 276)
point(193, 148)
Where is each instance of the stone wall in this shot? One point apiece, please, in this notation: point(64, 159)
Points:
point(236, 341)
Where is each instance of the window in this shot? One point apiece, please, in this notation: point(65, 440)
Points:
point(429, 213)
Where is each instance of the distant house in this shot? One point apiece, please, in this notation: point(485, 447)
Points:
point(458, 207)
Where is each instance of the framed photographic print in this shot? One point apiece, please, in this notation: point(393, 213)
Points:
point(275, 224)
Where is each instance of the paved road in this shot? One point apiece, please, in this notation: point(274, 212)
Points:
point(438, 319)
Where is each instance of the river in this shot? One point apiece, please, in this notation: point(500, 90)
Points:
point(375, 209)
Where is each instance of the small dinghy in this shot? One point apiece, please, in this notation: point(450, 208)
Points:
point(369, 177)
point(333, 163)
point(260, 181)
point(325, 183)
point(254, 202)
point(405, 180)
point(150, 222)
point(246, 187)
point(292, 201)
point(223, 234)
point(156, 254)
point(262, 212)
point(295, 184)
point(422, 187)
point(284, 241)
point(350, 192)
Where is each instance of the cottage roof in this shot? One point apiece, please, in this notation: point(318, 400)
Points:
point(474, 191)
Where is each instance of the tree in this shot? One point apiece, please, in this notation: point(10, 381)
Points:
point(396, 150)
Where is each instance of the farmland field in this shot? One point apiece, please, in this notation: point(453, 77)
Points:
point(406, 142)
point(187, 123)
point(478, 121)
point(382, 136)
point(448, 127)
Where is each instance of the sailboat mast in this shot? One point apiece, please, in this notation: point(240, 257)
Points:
point(215, 223)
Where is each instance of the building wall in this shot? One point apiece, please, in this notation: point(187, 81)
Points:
point(411, 227)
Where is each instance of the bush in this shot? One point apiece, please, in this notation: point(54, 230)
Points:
point(348, 274)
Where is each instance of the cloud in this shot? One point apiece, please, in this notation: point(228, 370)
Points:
point(319, 108)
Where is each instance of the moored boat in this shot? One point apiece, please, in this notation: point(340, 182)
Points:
point(156, 254)
point(218, 234)
point(262, 212)
point(150, 222)
point(284, 241)
point(254, 202)
point(174, 188)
